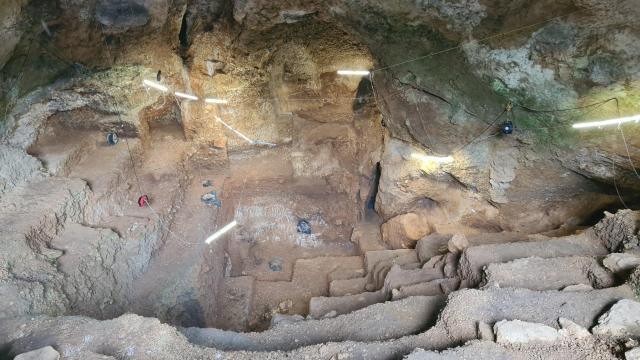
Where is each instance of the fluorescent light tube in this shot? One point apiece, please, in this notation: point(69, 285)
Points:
point(221, 232)
point(353, 72)
point(186, 96)
point(618, 121)
point(215, 101)
point(155, 85)
point(436, 159)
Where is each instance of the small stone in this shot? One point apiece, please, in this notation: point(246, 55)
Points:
point(51, 254)
point(571, 329)
point(304, 227)
point(618, 262)
point(211, 199)
point(275, 264)
point(278, 319)
point(285, 306)
point(458, 243)
point(485, 332)
point(516, 331)
point(330, 314)
point(45, 353)
point(621, 321)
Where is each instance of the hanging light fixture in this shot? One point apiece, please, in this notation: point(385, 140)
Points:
point(507, 127)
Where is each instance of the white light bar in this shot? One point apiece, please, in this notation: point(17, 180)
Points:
point(215, 101)
point(618, 121)
point(353, 72)
point(436, 159)
point(155, 85)
point(235, 131)
point(221, 232)
point(185, 96)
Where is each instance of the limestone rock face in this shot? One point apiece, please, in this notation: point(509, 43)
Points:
point(10, 17)
point(16, 168)
point(620, 230)
point(521, 332)
point(622, 320)
point(121, 15)
point(403, 231)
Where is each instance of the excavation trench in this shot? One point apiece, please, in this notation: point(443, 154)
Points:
point(295, 204)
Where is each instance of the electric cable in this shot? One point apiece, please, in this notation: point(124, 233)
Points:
point(624, 140)
point(492, 124)
point(615, 184)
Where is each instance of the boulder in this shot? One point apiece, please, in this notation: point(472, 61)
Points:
point(432, 245)
point(118, 16)
point(522, 332)
point(633, 354)
point(622, 320)
point(404, 231)
point(45, 353)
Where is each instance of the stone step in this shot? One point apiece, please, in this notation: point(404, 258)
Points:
point(548, 274)
point(310, 279)
point(459, 242)
point(348, 295)
point(467, 308)
point(345, 274)
point(431, 288)
point(568, 349)
point(367, 235)
point(398, 277)
point(372, 259)
point(400, 318)
point(378, 263)
point(322, 306)
point(464, 309)
point(60, 151)
point(347, 286)
point(473, 259)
